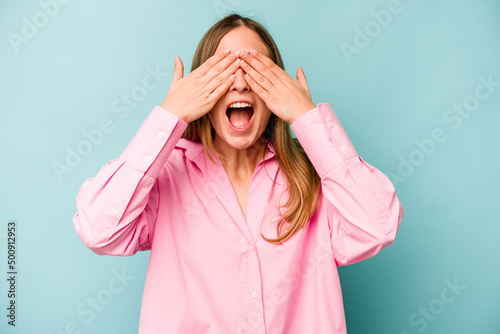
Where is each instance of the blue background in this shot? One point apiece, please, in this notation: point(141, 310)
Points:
point(391, 95)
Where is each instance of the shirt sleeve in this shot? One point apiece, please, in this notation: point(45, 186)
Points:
point(117, 209)
point(363, 210)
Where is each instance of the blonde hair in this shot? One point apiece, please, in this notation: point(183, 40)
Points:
point(303, 182)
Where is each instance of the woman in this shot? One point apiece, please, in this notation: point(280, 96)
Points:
point(201, 185)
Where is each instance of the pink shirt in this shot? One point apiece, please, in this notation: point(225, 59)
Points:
point(210, 271)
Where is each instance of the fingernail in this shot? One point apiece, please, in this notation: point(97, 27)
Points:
point(253, 52)
point(226, 52)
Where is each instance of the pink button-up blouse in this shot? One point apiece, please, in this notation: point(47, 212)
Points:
point(209, 270)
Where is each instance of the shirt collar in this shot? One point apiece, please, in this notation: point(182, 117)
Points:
point(194, 149)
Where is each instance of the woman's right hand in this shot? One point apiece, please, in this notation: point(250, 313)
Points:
point(193, 96)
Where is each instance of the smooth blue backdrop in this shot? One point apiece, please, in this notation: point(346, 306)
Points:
point(390, 94)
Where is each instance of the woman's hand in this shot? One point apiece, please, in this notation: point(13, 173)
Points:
point(286, 98)
point(195, 95)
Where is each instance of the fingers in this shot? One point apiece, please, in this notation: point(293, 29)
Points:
point(262, 74)
point(262, 64)
point(257, 88)
point(225, 57)
point(301, 79)
point(221, 89)
point(260, 79)
point(221, 66)
point(254, 54)
point(178, 69)
point(222, 77)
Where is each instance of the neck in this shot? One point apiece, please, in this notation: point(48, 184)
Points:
point(241, 164)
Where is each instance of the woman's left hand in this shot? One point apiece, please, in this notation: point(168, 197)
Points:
point(284, 96)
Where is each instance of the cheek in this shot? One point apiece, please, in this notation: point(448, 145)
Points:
point(216, 114)
point(264, 111)
point(210, 117)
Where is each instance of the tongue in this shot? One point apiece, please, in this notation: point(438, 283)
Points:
point(240, 117)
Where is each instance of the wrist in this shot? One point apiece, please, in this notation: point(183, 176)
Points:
point(173, 111)
point(305, 110)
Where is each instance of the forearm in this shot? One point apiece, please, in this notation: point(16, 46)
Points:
point(363, 210)
point(116, 210)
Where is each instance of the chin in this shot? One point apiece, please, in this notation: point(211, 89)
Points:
point(239, 142)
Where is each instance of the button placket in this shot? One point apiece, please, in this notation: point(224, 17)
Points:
point(256, 310)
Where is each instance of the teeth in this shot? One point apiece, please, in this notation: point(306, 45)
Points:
point(239, 105)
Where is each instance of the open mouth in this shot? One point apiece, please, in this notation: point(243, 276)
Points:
point(240, 116)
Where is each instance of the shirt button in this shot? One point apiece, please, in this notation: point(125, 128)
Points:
point(254, 294)
point(147, 158)
point(161, 134)
point(329, 124)
point(343, 148)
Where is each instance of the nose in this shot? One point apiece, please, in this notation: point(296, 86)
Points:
point(239, 83)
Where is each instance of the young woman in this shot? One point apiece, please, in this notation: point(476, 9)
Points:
point(246, 224)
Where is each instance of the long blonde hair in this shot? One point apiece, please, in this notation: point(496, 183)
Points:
point(303, 182)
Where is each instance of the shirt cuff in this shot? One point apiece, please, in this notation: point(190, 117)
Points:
point(323, 138)
point(160, 132)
